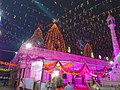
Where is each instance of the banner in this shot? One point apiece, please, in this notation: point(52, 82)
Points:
point(36, 70)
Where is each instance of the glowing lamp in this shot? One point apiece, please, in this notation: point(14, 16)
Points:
point(55, 20)
point(55, 73)
point(15, 52)
point(39, 43)
point(28, 45)
point(69, 50)
point(92, 55)
point(107, 58)
point(100, 56)
point(111, 62)
point(81, 52)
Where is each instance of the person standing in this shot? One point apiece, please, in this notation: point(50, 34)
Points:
point(21, 85)
point(68, 87)
point(15, 84)
point(58, 83)
point(49, 85)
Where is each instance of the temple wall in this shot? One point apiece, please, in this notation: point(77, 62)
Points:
point(24, 57)
point(27, 73)
point(45, 77)
point(54, 56)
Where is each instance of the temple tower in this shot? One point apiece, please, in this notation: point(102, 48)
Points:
point(111, 24)
point(87, 50)
point(54, 39)
point(37, 38)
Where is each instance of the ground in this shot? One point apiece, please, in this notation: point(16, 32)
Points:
point(6, 88)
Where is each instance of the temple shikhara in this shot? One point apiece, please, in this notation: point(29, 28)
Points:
point(54, 40)
point(46, 58)
point(37, 38)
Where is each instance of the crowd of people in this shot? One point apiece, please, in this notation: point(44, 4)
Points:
point(57, 84)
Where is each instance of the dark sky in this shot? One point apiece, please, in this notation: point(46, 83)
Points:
point(79, 21)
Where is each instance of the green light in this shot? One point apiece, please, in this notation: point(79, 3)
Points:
point(38, 42)
point(69, 50)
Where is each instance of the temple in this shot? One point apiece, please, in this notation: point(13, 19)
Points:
point(50, 54)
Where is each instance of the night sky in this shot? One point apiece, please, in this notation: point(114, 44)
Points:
point(80, 21)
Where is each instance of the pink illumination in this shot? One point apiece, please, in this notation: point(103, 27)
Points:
point(114, 74)
point(35, 53)
point(56, 56)
point(28, 45)
point(112, 25)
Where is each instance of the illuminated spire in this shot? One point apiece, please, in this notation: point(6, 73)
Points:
point(87, 50)
point(54, 39)
point(111, 24)
point(37, 38)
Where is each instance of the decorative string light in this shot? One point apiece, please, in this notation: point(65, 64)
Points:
point(76, 22)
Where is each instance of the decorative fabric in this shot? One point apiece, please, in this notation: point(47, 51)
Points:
point(84, 69)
